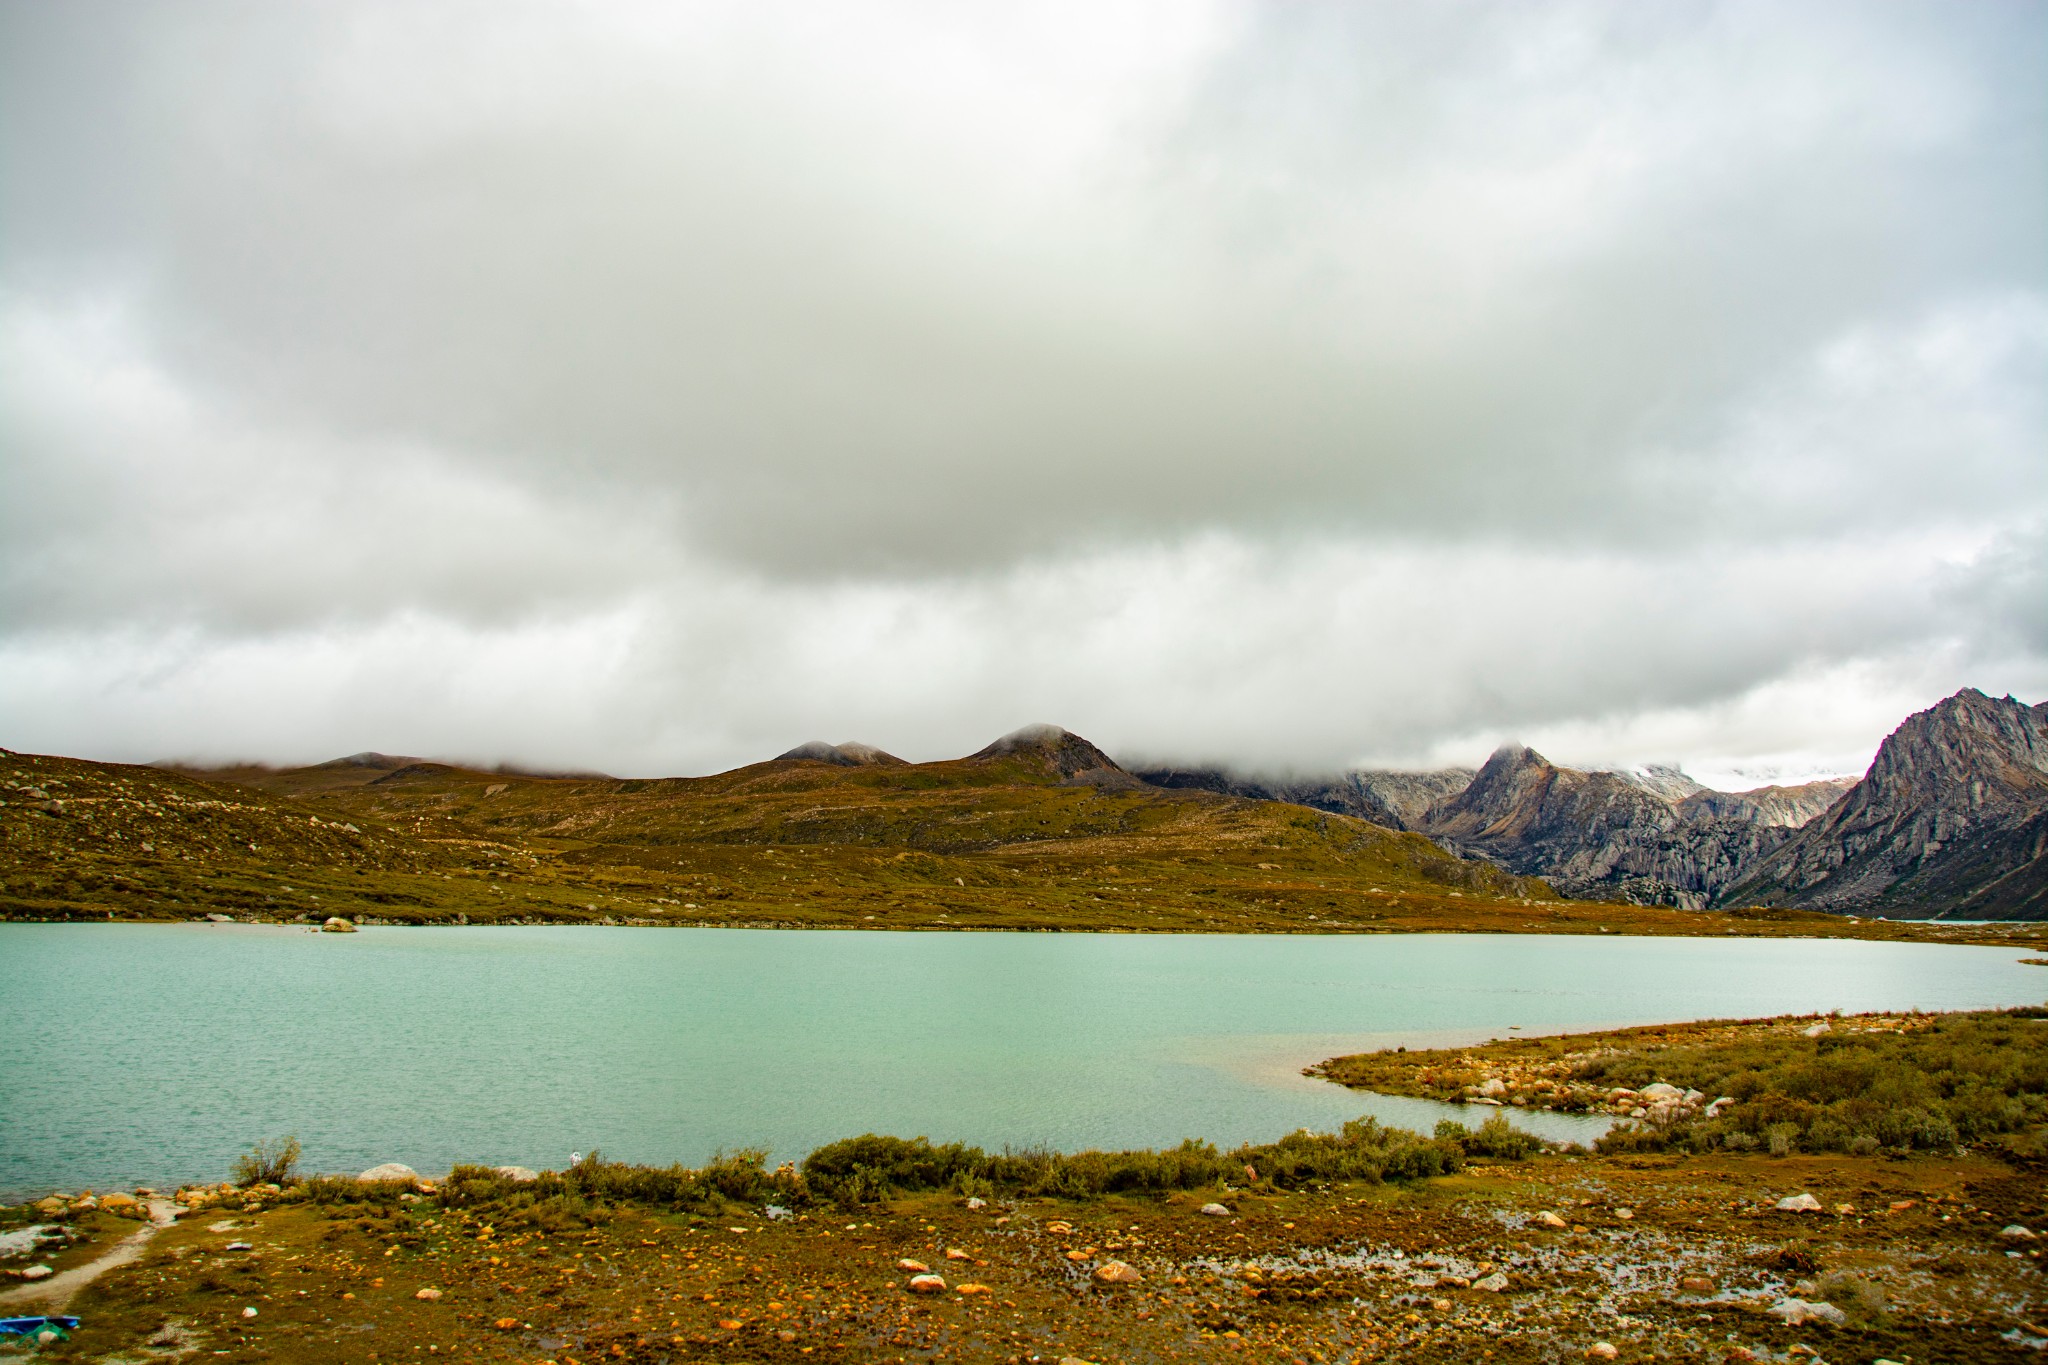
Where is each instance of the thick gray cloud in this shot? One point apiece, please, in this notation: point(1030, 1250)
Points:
point(650, 386)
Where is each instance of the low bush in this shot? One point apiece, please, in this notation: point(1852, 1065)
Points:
point(1495, 1138)
point(1962, 1078)
point(864, 1169)
point(268, 1163)
point(871, 1167)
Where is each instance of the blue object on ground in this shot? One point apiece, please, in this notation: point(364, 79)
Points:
point(29, 1327)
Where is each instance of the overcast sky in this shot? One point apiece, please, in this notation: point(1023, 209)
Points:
point(651, 387)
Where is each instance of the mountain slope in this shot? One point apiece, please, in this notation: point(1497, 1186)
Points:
point(1648, 836)
point(1037, 830)
point(1951, 820)
point(1787, 806)
point(1596, 834)
point(1398, 800)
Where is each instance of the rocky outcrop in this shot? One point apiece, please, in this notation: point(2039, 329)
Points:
point(1950, 821)
point(1790, 807)
point(1659, 779)
point(1397, 800)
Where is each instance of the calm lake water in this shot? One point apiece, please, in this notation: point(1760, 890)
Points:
point(155, 1053)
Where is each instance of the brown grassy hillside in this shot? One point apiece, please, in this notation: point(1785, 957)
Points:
point(1042, 833)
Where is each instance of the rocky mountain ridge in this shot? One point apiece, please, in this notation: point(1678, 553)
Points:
point(1395, 799)
point(1601, 835)
point(1650, 835)
point(1951, 820)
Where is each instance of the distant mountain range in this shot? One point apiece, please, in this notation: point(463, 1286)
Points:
point(1041, 829)
point(1950, 821)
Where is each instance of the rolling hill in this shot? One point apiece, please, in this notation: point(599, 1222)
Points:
point(1038, 830)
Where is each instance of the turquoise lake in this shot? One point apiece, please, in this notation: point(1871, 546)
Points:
point(153, 1054)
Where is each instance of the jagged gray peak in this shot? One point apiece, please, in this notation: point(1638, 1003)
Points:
point(1951, 819)
point(1598, 835)
point(1386, 797)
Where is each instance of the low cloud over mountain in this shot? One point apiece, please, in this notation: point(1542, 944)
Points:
point(636, 386)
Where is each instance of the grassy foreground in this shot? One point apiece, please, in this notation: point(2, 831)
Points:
point(1364, 1245)
point(1007, 842)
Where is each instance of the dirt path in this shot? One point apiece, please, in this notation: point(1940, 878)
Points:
point(53, 1294)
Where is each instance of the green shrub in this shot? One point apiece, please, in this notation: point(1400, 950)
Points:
point(867, 1168)
point(1959, 1078)
point(1497, 1138)
point(268, 1163)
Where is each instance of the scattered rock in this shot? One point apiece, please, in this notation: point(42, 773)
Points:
point(973, 1289)
point(1601, 1350)
point(428, 1294)
point(1658, 1090)
point(1794, 1312)
point(2013, 1232)
point(240, 1246)
point(390, 1170)
point(249, 1312)
point(37, 1272)
point(1816, 1031)
point(335, 924)
point(507, 1324)
point(1799, 1203)
point(976, 1202)
point(215, 917)
point(1496, 1283)
point(52, 1206)
point(1547, 1219)
point(927, 1284)
point(1116, 1272)
point(1216, 1210)
point(914, 1267)
point(956, 1254)
point(1058, 1227)
point(1625, 1214)
point(1696, 1284)
point(518, 1173)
